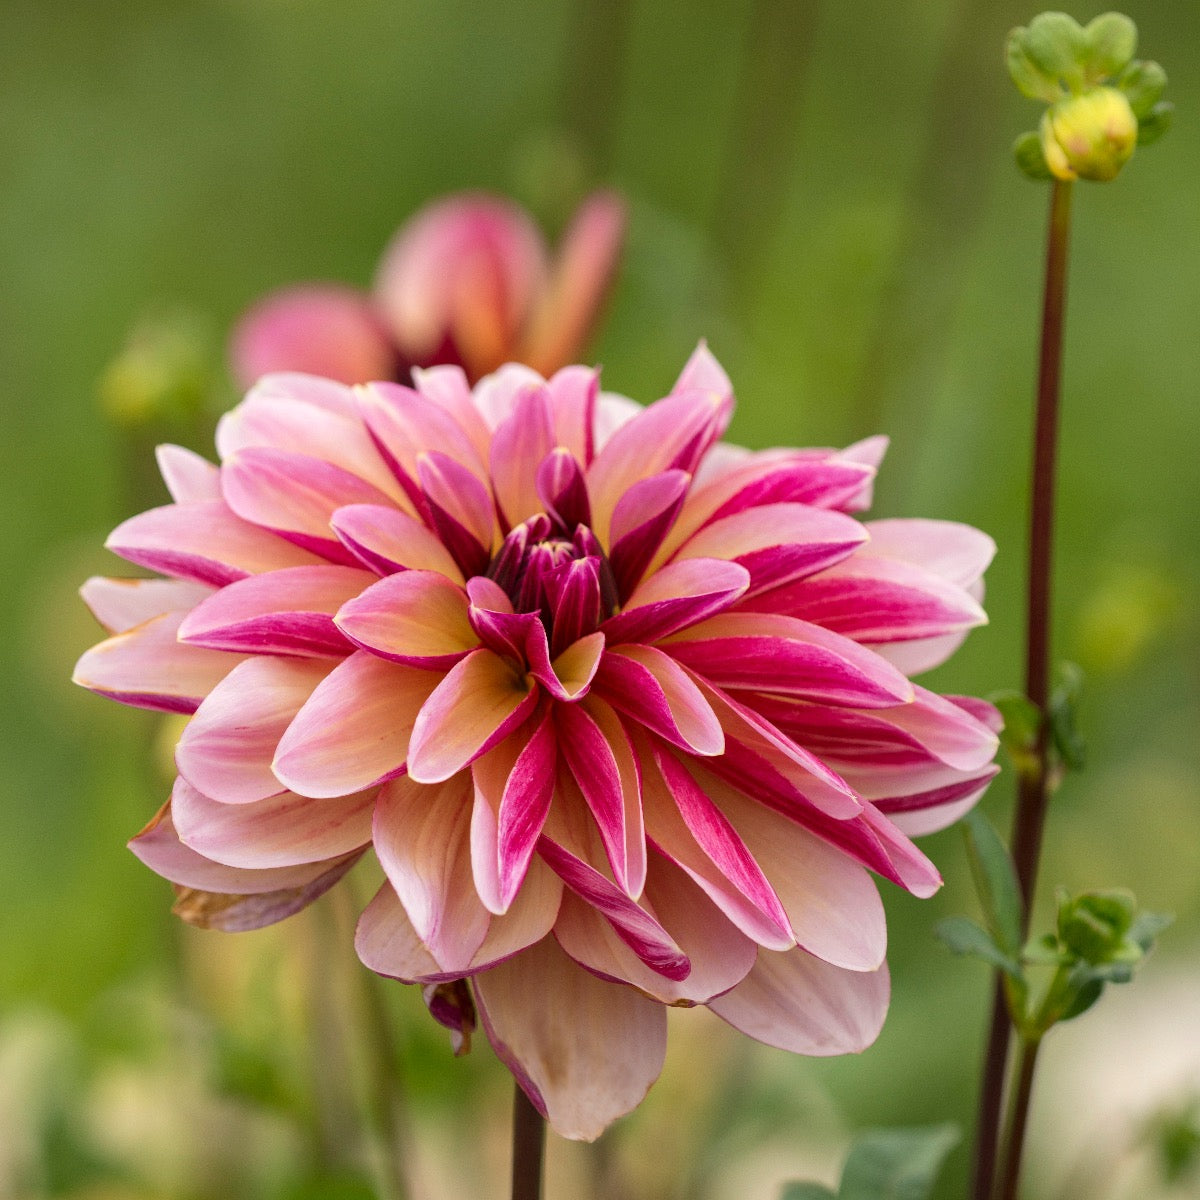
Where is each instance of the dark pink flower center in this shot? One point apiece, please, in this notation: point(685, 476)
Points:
point(564, 578)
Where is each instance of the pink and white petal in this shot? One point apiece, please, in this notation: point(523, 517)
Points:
point(869, 451)
point(147, 666)
point(159, 848)
point(680, 594)
point(957, 553)
point(569, 675)
point(281, 831)
point(917, 657)
point(719, 954)
point(514, 783)
point(656, 692)
point(796, 1002)
point(120, 604)
point(585, 1051)
point(304, 414)
point(295, 495)
point(404, 426)
point(671, 434)
point(918, 814)
point(721, 843)
point(188, 476)
point(876, 600)
point(387, 943)
point(203, 541)
point(831, 902)
point(448, 387)
point(237, 913)
point(598, 754)
point(778, 543)
point(421, 836)
point(520, 443)
point(478, 703)
point(289, 611)
point(415, 617)
point(631, 922)
point(227, 747)
point(612, 412)
point(460, 510)
point(573, 396)
point(754, 746)
point(354, 730)
point(780, 654)
point(386, 540)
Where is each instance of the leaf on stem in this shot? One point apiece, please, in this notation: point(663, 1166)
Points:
point(963, 936)
point(995, 882)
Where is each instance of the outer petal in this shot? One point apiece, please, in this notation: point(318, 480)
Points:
point(354, 730)
point(778, 543)
point(120, 604)
point(226, 749)
point(421, 836)
point(282, 612)
point(585, 1051)
point(159, 847)
point(799, 1003)
point(188, 476)
point(475, 706)
point(957, 553)
point(282, 831)
point(295, 495)
point(203, 541)
point(147, 666)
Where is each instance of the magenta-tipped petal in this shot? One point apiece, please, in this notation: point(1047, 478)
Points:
point(289, 611)
point(386, 540)
point(519, 445)
point(474, 706)
point(679, 595)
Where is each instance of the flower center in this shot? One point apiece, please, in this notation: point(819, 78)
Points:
point(563, 577)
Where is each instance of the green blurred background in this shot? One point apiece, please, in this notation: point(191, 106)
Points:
point(824, 191)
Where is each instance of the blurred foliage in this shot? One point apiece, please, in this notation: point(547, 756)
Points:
point(860, 256)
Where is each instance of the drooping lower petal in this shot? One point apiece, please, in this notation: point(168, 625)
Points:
point(585, 1051)
point(281, 831)
point(120, 604)
point(797, 1002)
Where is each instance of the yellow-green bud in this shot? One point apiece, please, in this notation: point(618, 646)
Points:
point(1089, 136)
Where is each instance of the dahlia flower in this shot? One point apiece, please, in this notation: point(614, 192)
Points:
point(624, 711)
point(468, 281)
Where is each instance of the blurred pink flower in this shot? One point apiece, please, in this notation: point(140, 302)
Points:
point(624, 710)
point(467, 281)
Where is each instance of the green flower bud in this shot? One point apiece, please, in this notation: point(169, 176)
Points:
point(1089, 136)
point(1057, 47)
point(1143, 84)
point(1093, 925)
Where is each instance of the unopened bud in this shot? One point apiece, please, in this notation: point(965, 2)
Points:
point(1094, 925)
point(1089, 136)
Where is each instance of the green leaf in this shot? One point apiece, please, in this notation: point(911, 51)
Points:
point(1056, 46)
point(1143, 84)
point(897, 1164)
point(963, 936)
point(806, 1191)
point(1085, 997)
point(1064, 705)
point(1111, 42)
point(1155, 123)
point(1022, 718)
point(995, 881)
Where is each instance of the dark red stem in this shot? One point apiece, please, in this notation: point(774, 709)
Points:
point(529, 1144)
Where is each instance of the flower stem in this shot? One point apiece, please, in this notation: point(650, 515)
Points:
point(1010, 1170)
point(529, 1144)
point(1033, 785)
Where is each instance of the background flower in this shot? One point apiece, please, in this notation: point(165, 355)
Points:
point(468, 280)
point(622, 709)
